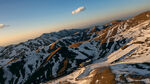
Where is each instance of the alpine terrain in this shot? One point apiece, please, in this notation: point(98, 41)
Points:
point(115, 53)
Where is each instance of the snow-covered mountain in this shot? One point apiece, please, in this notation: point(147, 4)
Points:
point(117, 52)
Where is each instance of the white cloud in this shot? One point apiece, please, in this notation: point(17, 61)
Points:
point(3, 25)
point(78, 10)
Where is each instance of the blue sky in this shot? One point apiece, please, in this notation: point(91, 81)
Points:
point(26, 19)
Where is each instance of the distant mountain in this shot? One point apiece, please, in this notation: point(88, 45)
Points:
point(117, 52)
point(1, 48)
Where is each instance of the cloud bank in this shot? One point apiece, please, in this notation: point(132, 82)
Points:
point(3, 26)
point(78, 10)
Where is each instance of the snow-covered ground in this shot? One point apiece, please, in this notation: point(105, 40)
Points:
point(122, 61)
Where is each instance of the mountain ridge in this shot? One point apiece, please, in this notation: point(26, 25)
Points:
point(54, 55)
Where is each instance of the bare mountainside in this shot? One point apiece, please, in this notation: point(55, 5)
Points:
point(117, 51)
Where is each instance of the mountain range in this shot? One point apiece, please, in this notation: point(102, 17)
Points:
point(116, 52)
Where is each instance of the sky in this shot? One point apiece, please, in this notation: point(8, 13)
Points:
point(21, 20)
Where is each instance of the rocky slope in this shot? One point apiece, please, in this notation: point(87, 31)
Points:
point(126, 64)
point(118, 51)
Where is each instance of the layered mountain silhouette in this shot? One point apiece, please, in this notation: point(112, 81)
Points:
point(117, 52)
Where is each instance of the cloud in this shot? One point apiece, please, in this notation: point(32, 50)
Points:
point(82, 8)
point(3, 26)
